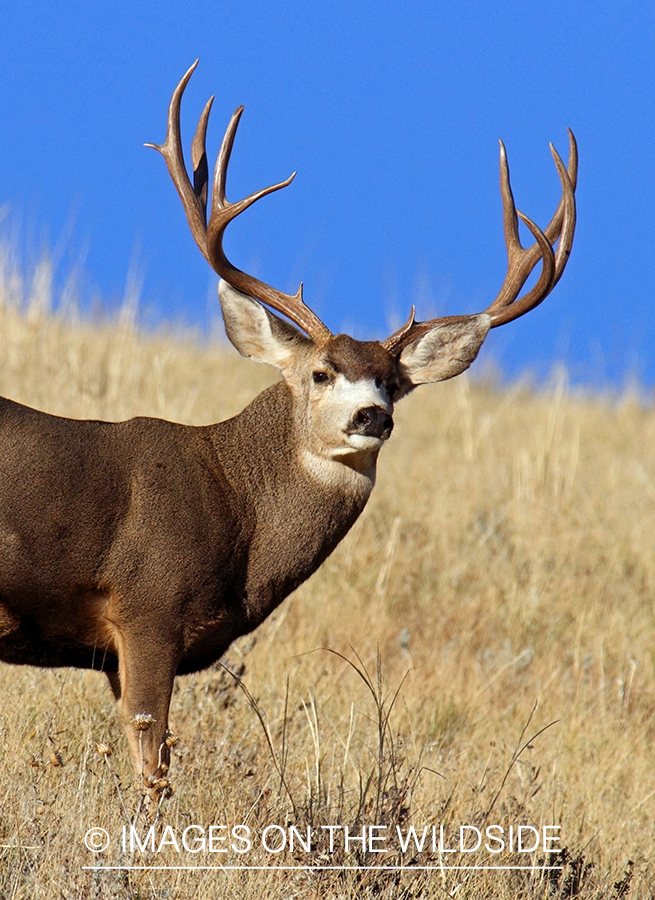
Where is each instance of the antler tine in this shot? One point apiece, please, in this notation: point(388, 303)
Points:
point(222, 213)
point(521, 260)
point(399, 336)
point(567, 203)
point(171, 150)
point(555, 224)
point(199, 159)
point(209, 236)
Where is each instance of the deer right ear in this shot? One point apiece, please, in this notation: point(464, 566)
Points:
point(256, 332)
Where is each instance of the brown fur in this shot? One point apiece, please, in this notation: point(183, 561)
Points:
point(145, 548)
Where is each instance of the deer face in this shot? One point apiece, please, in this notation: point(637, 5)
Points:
point(350, 392)
point(345, 389)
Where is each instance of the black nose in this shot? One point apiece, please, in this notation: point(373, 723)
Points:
point(373, 421)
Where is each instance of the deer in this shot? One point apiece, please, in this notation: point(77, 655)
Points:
point(144, 548)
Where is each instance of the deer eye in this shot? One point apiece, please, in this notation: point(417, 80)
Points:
point(393, 389)
point(320, 377)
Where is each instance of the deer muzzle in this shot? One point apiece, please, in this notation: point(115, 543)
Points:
point(372, 421)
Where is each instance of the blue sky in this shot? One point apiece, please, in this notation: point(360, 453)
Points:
point(390, 112)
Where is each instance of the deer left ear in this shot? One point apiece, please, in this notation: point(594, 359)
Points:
point(446, 351)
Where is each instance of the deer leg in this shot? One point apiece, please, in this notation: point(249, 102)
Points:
point(146, 675)
point(114, 684)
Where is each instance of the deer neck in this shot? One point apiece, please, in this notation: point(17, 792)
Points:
point(295, 506)
point(263, 449)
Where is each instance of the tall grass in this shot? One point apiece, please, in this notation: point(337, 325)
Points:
point(478, 651)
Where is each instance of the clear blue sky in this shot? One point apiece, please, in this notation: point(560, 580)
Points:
point(390, 112)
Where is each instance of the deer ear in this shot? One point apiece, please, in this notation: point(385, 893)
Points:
point(256, 332)
point(446, 351)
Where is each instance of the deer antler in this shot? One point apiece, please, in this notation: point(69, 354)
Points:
point(521, 260)
point(209, 236)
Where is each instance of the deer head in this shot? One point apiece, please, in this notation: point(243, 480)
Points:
point(344, 390)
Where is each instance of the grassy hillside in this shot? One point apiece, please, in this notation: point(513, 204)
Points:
point(478, 652)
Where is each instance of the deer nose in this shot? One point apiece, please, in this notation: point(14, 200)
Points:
point(373, 421)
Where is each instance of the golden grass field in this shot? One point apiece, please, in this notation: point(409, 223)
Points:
point(496, 595)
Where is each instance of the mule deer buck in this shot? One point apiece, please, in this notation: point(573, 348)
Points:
point(142, 549)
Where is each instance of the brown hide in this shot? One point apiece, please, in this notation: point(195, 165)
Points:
point(146, 547)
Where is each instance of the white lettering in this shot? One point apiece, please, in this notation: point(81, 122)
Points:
point(374, 838)
point(199, 841)
point(348, 838)
point(462, 829)
point(281, 831)
point(549, 838)
point(520, 847)
point(134, 839)
point(216, 837)
point(168, 839)
point(493, 837)
point(307, 847)
point(331, 829)
point(411, 835)
point(244, 840)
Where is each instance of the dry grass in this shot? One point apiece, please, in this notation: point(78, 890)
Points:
point(500, 581)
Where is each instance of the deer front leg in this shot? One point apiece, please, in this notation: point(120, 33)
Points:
point(115, 684)
point(146, 672)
